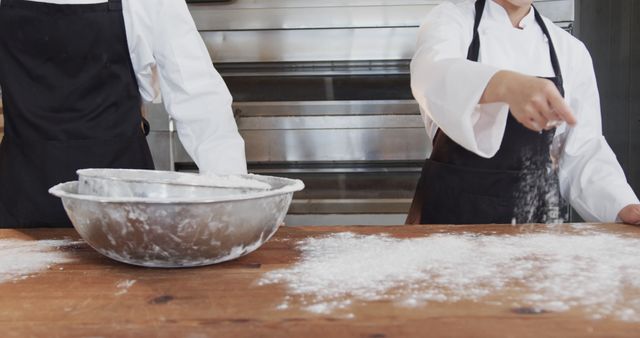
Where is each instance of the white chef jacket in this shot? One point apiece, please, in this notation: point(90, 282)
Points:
point(448, 88)
point(168, 53)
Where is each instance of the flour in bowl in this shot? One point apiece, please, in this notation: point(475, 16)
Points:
point(221, 181)
point(593, 272)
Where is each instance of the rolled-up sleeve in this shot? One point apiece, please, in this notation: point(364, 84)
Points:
point(194, 93)
point(590, 176)
point(448, 87)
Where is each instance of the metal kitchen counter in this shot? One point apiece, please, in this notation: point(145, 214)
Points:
point(81, 298)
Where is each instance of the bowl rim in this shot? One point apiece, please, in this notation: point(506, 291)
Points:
point(111, 174)
point(290, 186)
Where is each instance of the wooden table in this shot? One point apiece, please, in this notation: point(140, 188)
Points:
point(82, 299)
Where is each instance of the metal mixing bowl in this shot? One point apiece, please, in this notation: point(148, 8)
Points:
point(165, 184)
point(155, 219)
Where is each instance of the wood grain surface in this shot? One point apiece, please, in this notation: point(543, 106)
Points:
point(82, 299)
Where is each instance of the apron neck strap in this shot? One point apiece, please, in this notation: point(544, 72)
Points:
point(552, 50)
point(474, 48)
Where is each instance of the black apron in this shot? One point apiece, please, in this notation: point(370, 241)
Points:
point(517, 184)
point(71, 101)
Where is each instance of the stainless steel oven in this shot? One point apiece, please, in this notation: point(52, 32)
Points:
point(321, 92)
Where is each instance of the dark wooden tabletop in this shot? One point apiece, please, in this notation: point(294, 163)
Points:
point(85, 297)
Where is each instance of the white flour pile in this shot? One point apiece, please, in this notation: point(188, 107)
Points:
point(21, 259)
point(547, 272)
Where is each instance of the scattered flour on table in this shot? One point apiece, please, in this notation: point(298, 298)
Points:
point(124, 285)
point(547, 272)
point(20, 259)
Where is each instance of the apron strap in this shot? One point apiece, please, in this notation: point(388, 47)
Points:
point(552, 50)
point(473, 53)
point(474, 47)
point(114, 5)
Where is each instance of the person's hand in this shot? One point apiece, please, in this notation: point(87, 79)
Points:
point(630, 214)
point(534, 102)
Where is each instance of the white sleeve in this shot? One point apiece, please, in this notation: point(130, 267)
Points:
point(591, 178)
point(194, 93)
point(448, 87)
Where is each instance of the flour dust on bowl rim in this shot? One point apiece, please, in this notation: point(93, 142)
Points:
point(147, 218)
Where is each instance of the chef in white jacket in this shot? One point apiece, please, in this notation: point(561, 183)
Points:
point(502, 91)
point(74, 74)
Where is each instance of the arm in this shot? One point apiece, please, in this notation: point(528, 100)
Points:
point(194, 94)
point(534, 102)
point(470, 101)
point(590, 176)
point(438, 69)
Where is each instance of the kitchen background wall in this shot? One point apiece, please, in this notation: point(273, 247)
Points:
point(611, 31)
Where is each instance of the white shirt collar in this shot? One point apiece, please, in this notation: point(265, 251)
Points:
point(497, 14)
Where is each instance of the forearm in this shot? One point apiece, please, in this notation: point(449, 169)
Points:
point(497, 88)
point(536, 103)
point(592, 180)
point(454, 108)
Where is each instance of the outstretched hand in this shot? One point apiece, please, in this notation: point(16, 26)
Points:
point(534, 102)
